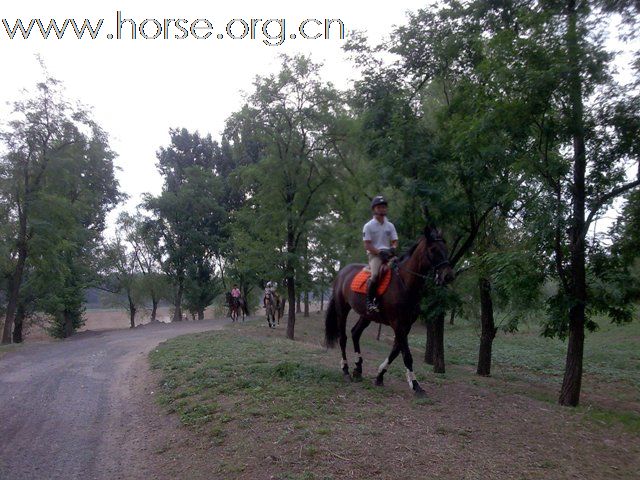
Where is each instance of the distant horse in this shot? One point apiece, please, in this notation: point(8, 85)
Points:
point(270, 307)
point(235, 307)
point(399, 305)
point(228, 301)
point(280, 304)
point(244, 309)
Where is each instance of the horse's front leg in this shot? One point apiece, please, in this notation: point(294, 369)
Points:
point(408, 363)
point(266, 307)
point(382, 369)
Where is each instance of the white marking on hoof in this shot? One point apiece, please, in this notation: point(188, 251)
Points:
point(383, 365)
point(410, 378)
point(358, 358)
point(343, 363)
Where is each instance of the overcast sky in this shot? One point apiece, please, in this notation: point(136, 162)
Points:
point(140, 88)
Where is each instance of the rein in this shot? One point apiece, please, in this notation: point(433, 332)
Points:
point(399, 266)
point(433, 267)
point(418, 274)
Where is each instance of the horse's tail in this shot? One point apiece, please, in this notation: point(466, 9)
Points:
point(331, 332)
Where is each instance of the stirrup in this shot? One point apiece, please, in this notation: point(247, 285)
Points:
point(372, 306)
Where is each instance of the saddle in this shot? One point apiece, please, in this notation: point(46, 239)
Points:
point(361, 280)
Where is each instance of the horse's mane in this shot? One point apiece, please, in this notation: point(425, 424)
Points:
point(409, 252)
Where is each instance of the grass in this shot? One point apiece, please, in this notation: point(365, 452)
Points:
point(222, 376)
point(271, 405)
point(629, 420)
point(251, 371)
point(612, 354)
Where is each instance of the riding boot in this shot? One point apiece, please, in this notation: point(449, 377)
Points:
point(372, 305)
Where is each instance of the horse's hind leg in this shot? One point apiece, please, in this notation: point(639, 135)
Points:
point(342, 326)
point(343, 348)
point(356, 333)
point(382, 369)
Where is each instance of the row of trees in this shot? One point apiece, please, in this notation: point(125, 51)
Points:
point(506, 119)
point(57, 184)
point(503, 118)
point(500, 121)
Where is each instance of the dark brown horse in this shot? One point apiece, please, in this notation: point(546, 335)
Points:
point(399, 305)
point(238, 307)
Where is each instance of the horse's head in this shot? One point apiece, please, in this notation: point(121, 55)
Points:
point(438, 255)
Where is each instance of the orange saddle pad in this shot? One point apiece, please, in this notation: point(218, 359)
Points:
point(359, 282)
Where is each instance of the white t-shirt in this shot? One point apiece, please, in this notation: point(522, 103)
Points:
point(380, 234)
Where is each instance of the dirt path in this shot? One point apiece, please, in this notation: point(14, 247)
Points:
point(76, 408)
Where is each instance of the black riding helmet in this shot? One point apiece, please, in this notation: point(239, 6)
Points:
point(378, 200)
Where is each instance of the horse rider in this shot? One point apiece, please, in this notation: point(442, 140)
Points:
point(269, 291)
point(380, 241)
point(235, 295)
point(235, 291)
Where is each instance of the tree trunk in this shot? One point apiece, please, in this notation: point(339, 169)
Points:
point(154, 309)
point(428, 349)
point(298, 307)
point(453, 316)
point(177, 312)
point(224, 282)
point(68, 324)
point(245, 296)
point(572, 381)
point(322, 300)
point(488, 328)
point(14, 292)
point(290, 272)
point(18, 324)
point(438, 344)
point(201, 314)
point(132, 312)
point(291, 319)
point(306, 304)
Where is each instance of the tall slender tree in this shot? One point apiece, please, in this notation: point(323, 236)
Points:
point(292, 116)
point(188, 217)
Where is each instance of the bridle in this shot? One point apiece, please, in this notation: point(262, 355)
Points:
point(443, 263)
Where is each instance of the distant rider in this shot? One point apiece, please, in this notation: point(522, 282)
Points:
point(380, 241)
point(269, 291)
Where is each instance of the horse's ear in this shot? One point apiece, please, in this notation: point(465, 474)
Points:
point(430, 227)
point(426, 214)
point(429, 232)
